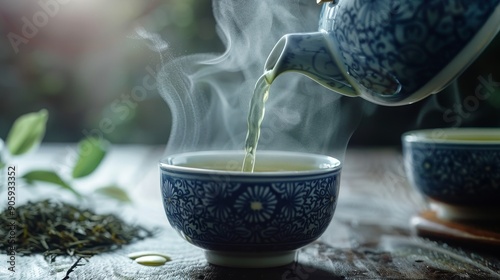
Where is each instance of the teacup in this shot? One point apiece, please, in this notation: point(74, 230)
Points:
point(457, 169)
point(244, 219)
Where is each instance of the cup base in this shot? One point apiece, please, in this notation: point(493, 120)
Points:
point(250, 260)
point(456, 213)
point(474, 234)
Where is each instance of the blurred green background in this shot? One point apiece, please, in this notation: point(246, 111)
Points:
point(85, 65)
point(87, 59)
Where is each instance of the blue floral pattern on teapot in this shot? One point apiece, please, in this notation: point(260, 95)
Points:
point(389, 52)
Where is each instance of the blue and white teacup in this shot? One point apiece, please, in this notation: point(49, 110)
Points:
point(244, 219)
point(457, 170)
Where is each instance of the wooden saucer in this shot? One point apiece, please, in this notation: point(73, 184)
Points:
point(485, 234)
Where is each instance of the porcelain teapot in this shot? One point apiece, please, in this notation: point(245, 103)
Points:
point(390, 52)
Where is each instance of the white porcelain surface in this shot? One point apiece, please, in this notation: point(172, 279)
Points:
point(454, 213)
point(250, 260)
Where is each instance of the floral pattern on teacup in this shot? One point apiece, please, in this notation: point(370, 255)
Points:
point(220, 213)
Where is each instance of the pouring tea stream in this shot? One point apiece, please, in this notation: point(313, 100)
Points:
point(390, 53)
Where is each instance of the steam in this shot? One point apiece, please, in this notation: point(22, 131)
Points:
point(458, 106)
point(209, 94)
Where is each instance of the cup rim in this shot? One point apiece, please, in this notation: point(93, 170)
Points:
point(326, 164)
point(457, 135)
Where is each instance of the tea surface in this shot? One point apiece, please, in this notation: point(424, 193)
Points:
point(473, 138)
point(267, 166)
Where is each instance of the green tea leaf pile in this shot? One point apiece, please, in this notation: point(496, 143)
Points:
point(54, 229)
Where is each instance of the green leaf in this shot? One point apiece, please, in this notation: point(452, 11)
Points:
point(48, 177)
point(114, 192)
point(27, 132)
point(2, 163)
point(91, 151)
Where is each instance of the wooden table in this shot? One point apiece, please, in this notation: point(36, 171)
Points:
point(370, 236)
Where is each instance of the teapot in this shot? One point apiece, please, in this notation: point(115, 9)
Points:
point(389, 52)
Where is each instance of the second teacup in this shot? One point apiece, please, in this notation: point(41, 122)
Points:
point(457, 170)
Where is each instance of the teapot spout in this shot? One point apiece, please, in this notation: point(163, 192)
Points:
point(309, 54)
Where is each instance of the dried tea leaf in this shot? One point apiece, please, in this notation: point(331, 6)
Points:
point(91, 151)
point(27, 132)
point(56, 229)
